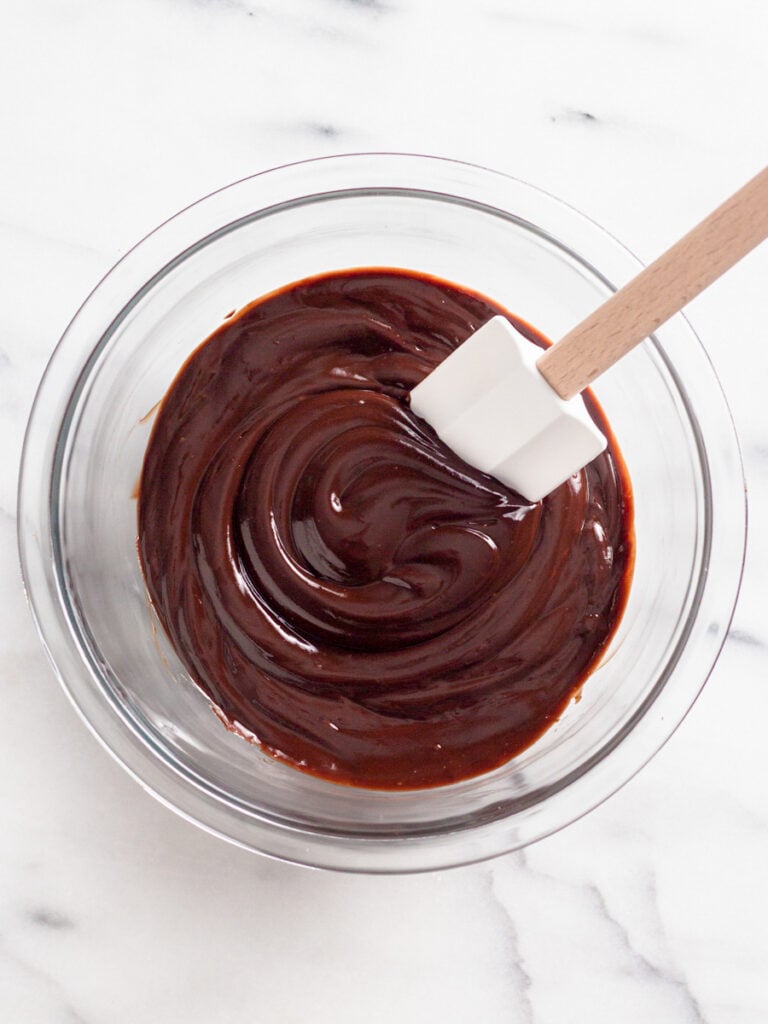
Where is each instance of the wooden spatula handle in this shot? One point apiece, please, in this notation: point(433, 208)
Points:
point(659, 291)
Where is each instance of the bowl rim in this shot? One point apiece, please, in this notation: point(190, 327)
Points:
point(37, 524)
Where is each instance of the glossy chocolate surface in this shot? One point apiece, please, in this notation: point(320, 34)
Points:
point(340, 584)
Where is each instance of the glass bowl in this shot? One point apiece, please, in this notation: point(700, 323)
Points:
point(90, 424)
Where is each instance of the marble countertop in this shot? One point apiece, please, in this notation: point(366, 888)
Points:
point(652, 908)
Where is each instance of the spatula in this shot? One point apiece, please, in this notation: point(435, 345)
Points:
point(514, 412)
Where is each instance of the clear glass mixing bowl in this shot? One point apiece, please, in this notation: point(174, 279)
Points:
point(90, 424)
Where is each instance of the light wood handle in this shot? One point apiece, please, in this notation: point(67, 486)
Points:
point(659, 291)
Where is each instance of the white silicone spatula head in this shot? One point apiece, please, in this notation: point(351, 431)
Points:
point(516, 414)
point(489, 403)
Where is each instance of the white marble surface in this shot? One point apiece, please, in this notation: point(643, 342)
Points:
point(113, 116)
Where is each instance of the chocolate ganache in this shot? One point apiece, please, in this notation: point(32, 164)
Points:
point(340, 584)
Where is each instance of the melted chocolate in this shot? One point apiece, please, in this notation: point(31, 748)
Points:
point(374, 610)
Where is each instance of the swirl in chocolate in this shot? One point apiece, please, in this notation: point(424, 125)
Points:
point(339, 583)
